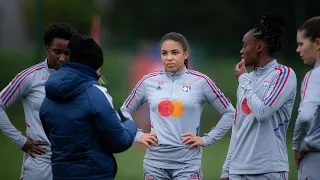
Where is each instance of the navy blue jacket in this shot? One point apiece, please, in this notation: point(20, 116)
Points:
point(82, 125)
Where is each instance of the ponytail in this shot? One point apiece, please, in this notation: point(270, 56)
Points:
point(186, 63)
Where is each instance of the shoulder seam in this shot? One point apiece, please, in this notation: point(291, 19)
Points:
point(222, 98)
point(138, 85)
point(280, 83)
point(18, 80)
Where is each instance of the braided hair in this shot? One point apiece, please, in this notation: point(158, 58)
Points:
point(270, 30)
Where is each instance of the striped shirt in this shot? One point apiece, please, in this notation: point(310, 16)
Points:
point(265, 100)
point(307, 127)
point(29, 86)
point(176, 102)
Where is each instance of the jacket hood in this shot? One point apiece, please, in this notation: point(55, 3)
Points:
point(69, 81)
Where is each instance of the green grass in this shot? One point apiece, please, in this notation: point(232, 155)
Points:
point(129, 162)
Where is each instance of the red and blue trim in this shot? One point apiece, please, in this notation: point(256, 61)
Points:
point(280, 83)
point(222, 98)
point(134, 91)
point(9, 92)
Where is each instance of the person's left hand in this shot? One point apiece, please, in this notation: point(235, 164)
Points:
point(240, 68)
point(192, 139)
point(308, 149)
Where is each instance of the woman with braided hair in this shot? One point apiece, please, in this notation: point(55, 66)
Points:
point(265, 99)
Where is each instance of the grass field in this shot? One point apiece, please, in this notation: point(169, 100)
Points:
point(130, 162)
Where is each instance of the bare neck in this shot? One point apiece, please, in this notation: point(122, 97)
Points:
point(318, 55)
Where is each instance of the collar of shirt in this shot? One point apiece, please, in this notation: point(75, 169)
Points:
point(262, 70)
point(317, 63)
point(47, 67)
point(176, 75)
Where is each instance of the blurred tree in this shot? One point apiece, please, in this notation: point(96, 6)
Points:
point(77, 13)
point(217, 25)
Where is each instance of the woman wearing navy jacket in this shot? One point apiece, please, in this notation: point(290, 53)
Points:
point(79, 118)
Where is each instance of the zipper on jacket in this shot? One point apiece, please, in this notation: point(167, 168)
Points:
point(172, 86)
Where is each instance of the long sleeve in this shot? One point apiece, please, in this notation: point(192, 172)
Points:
point(313, 140)
point(16, 89)
point(119, 135)
point(226, 164)
point(280, 90)
point(134, 101)
point(215, 97)
point(310, 102)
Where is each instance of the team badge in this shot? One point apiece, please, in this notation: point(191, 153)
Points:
point(186, 87)
point(148, 178)
point(266, 82)
point(193, 176)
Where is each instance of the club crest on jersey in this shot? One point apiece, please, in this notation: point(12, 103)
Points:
point(266, 82)
point(148, 178)
point(186, 87)
point(193, 176)
point(158, 88)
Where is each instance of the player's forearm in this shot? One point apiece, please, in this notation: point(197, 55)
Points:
point(9, 130)
point(297, 134)
point(138, 136)
point(226, 164)
point(223, 126)
point(260, 111)
point(265, 107)
point(126, 113)
point(307, 113)
point(313, 140)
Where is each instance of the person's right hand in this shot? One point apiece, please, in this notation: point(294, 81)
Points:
point(240, 68)
point(147, 138)
point(31, 147)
